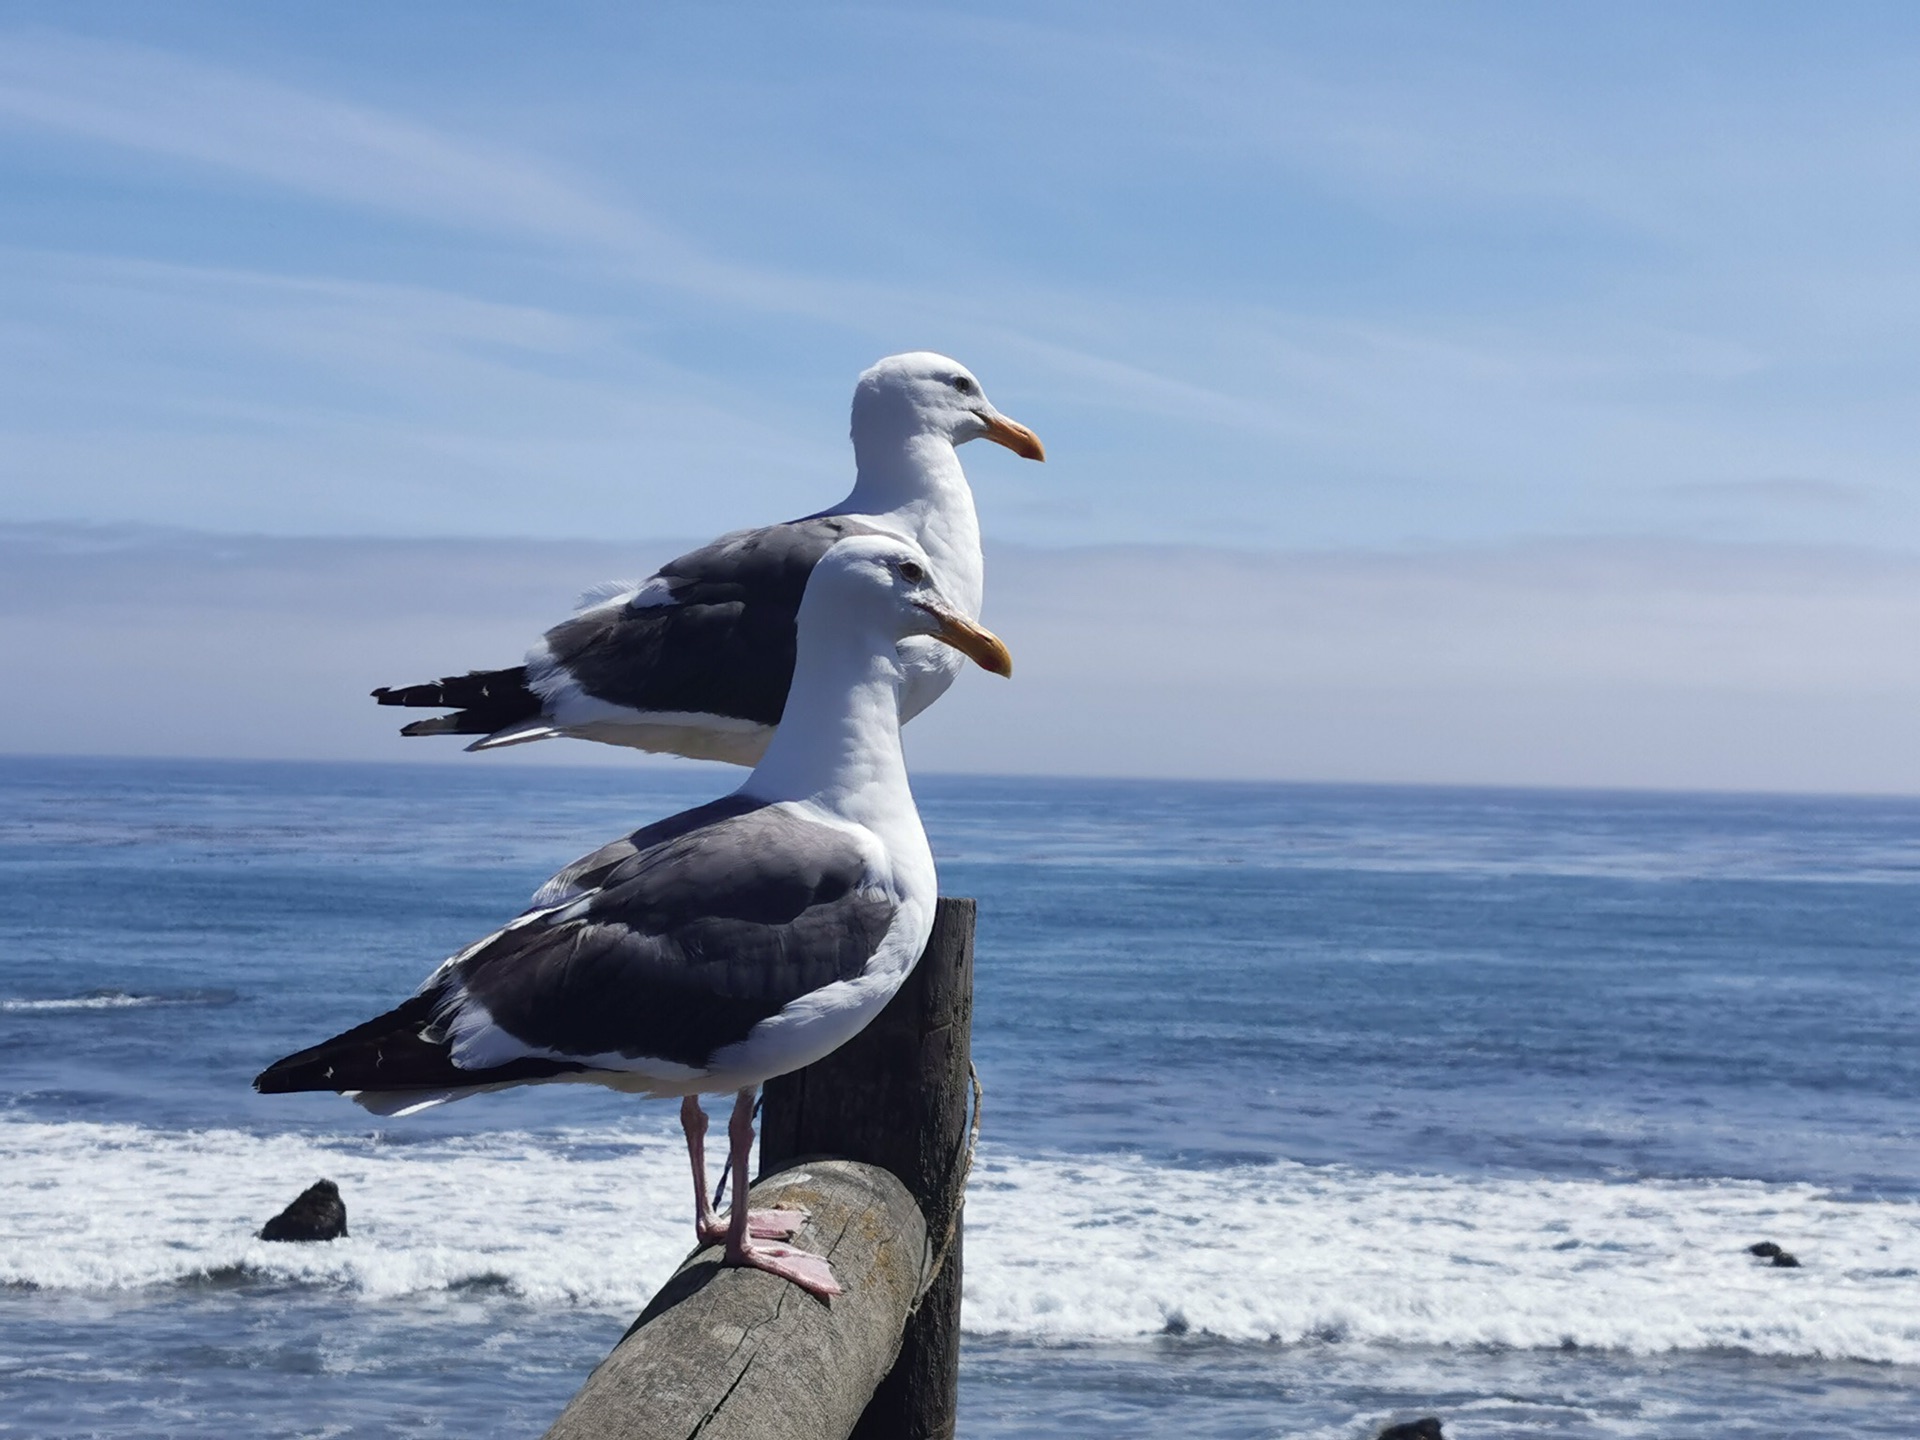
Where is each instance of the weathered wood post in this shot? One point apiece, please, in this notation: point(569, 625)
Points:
point(896, 1096)
point(742, 1355)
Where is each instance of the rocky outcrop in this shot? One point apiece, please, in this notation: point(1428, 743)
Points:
point(317, 1213)
point(1427, 1428)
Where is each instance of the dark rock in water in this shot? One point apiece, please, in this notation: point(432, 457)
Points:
point(317, 1214)
point(1764, 1249)
point(1783, 1261)
point(1425, 1429)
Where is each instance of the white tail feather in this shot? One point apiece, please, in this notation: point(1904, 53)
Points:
point(524, 733)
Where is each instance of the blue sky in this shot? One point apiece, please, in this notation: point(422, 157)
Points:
point(1509, 393)
point(1295, 277)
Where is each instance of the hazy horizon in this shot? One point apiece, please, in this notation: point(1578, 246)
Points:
point(1583, 664)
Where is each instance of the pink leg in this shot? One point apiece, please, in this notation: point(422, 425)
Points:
point(708, 1227)
point(693, 1120)
point(810, 1272)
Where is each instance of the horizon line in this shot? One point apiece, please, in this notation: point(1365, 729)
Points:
point(678, 766)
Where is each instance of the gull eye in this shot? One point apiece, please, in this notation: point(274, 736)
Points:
point(964, 385)
point(912, 572)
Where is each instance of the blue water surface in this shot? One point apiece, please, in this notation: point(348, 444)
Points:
point(1466, 982)
point(1551, 983)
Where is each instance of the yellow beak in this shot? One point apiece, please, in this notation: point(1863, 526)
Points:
point(976, 642)
point(1016, 437)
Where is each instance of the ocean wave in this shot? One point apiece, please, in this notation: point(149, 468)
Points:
point(122, 1207)
point(1113, 1249)
point(114, 1000)
point(1057, 1248)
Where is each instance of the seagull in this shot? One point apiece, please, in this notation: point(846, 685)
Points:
point(720, 947)
point(696, 659)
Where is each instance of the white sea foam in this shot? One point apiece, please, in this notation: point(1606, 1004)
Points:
point(1113, 1249)
point(1056, 1248)
point(112, 1000)
point(118, 1207)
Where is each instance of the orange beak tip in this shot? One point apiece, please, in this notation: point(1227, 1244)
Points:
point(1016, 437)
point(977, 643)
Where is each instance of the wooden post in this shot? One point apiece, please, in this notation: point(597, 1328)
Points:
point(897, 1096)
point(743, 1355)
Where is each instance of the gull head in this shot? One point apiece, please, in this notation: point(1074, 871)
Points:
point(921, 393)
point(888, 584)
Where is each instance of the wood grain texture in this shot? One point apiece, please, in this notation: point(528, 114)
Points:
point(742, 1355)
point(896, 1096)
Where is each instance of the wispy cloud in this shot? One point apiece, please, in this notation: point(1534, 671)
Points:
point(1787, 490)
point(1254, 276)
point(285, 137)
point(369, 406)
point(278, 135)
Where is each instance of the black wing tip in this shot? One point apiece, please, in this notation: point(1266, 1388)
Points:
point(295, 1074)
point(277, 1079)
point(314, 1068)
point(333, 1063)
point(427, 692)
point(390, 1053)
point(484, 701)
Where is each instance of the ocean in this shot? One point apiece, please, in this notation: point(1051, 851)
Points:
point(1308, 1108)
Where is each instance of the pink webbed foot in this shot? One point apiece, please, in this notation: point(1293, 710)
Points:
point(809, 1271)
point(748, 1228)
point(781, 1223)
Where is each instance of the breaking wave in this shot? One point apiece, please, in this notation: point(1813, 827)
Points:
point(1057, 1248)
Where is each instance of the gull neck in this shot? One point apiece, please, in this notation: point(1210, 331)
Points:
point(904, 473)
point(838, 744)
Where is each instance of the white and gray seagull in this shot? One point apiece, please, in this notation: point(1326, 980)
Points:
point(718, 948)
point(696, 659)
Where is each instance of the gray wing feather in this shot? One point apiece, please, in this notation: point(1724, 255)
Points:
point(725, 644)
point(679, 945)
